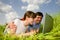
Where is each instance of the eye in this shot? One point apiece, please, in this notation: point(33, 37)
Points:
point(38, 17)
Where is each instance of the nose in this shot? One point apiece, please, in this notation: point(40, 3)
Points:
point(39, 19)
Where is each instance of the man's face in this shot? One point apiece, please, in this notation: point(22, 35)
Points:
point(38, 19)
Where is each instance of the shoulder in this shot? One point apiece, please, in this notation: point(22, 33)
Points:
point(17, 21)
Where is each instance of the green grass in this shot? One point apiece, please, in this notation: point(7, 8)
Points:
point(54, 34)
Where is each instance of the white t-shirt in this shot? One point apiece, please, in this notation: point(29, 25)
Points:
point(20, 26)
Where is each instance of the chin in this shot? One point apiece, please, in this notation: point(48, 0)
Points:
point(31, 23)
point(37, 22)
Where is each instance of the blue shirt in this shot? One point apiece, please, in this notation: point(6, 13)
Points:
point(33, 27)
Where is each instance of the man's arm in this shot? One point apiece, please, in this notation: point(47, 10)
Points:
point(31, 32)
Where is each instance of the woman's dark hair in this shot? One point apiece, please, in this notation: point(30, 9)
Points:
point(39, 14)
point(29, 14)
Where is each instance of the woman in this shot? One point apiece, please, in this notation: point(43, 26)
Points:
point(22, 25)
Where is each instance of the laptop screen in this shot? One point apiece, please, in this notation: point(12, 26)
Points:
point(48, 24)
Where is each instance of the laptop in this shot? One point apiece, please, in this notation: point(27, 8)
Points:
point(48, 24)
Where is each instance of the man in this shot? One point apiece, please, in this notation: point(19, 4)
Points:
point(36, 25)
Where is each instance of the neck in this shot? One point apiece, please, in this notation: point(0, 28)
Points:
point(34, 21)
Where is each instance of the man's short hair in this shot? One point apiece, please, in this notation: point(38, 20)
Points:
point(39, 14)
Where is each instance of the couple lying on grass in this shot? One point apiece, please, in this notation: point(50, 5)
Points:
point(26, 26)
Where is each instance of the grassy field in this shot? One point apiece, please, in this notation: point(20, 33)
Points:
point(54, 34)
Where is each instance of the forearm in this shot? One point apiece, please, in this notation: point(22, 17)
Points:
point(27, 34)
point(37, 30)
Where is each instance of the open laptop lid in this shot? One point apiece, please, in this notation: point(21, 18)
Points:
point(48, 24)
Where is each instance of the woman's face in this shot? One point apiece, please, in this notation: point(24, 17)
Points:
point(30, 20)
